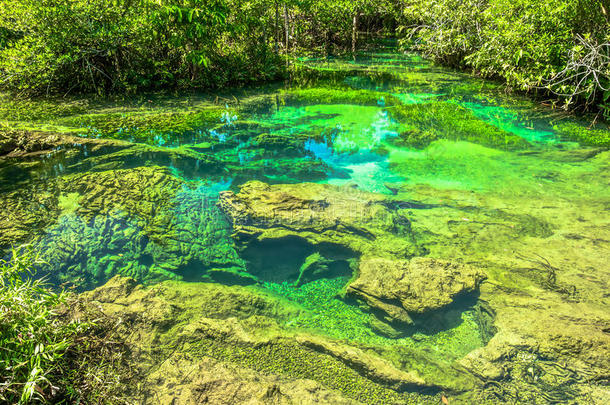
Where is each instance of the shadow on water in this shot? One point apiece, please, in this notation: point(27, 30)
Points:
point(293, 259)
point(433, 322)
point(300, 269)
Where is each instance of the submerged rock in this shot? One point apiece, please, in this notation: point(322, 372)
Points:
point(417, 286)
point(231, 341)
point(315, 266)
point(319, 213)
point(143, 222)
point(24, 143)
point(364, 223)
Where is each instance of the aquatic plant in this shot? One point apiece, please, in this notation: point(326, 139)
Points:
point(338, 95)
point(428, 122)
point(154, 128)
point(571, 131)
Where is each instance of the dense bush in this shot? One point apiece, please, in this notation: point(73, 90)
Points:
point(46, 354)
point(557, 46)
point(100, 46)
point(58, 46)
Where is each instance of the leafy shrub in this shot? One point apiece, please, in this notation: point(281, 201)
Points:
point(46, 354)
point(554, 46)
point(53, 46)
point(447, 30)
point(59, 46)
point(31, 341)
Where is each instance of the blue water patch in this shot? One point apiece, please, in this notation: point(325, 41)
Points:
point(369, 170)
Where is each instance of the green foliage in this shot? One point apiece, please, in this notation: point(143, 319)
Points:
point(45, 355)
point(32, 339)
point(445, 29)
point(58, 46)
point(557, 46)
point(97, 46)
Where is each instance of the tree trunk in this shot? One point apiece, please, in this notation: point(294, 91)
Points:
point(354, 35)
point(277, 28)
point(286, 27)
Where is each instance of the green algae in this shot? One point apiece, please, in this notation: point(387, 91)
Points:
point(295, 361)
point(509, 121)
point(415, 98)
point(329, 314)
point(12, 109)
point(323, 95)
point(151, 128)
point(585, 136)
point(428, 122)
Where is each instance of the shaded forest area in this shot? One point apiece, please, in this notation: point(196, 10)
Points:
point(557, 47)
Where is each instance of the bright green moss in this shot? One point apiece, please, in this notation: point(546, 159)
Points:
point(152, 128)
point(293, 360)
point(425, 123)
point(585, 136)
point(330, 95)
point(14, 109)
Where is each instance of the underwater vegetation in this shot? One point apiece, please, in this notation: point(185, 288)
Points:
point(338, 95)
point(425, 123)
point(585, 136)
point(156, 129)
point(385, 233)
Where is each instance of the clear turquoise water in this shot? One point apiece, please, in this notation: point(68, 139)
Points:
point(158, 231)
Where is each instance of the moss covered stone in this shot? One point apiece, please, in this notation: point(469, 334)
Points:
point(196, 324)
point(363, 223)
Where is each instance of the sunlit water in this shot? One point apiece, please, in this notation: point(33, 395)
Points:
point(175, 230)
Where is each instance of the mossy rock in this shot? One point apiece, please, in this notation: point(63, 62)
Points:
point(320, 214)
point(570, 131)
point(142, 222)
point(287, 143)
point(428, 122)
point(186, 158)
point(241, 326)
point(280, 170)
point(25, 213)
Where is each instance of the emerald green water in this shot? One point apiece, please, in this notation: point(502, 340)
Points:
point(482, 176)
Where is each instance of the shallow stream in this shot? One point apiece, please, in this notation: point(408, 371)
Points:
point(390, 158)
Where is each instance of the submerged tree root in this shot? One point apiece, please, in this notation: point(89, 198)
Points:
point(550, 282)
